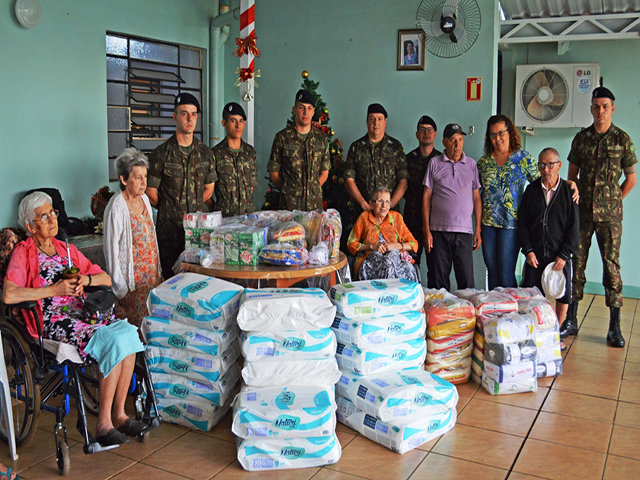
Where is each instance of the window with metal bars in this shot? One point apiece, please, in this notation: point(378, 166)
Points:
point(143, 77)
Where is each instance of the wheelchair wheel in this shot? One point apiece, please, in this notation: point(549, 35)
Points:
point(62, 458)
point(89, 385)
point(25, 393)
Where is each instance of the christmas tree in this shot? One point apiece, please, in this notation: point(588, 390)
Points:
point(334, 192)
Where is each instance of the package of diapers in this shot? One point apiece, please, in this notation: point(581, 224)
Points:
point(505, 388)
point(160, 332)
point(401, 394)
point(199, 415)
point(542, 310)
point(448, 309)
point(509, 328)
point(195, 366)
point(378, 330)
point(453, 327)
point(285, 453)
point(288, 345)
point(382, 358)
point(285, 412)
point(510, 373)
point(180, 388)
point(399, 436)
point(494, 302)
point(377, 297)
point(509, 353)
point(275, 309)
point(196, 300)
point(291, 372)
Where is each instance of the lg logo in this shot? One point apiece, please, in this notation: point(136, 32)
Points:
point(580, 72)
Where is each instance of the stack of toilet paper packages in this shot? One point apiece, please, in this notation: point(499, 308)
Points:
point(487, 304)
point(450, 328)
point(400, 410)
point(193, 348)
point(547, 335)
point(510, 355)
point(285, 415)
point(380, 325)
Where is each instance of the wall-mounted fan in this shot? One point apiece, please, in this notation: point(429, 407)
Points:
point(451, 27)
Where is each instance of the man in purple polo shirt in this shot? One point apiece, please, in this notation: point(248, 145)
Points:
point(451, 199)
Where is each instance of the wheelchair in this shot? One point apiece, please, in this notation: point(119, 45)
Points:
point(35, 378)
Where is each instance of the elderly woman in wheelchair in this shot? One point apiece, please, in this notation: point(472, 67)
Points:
point(37, 272)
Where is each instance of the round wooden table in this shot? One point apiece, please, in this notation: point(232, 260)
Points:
point(284, 276)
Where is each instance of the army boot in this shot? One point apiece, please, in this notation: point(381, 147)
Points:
point(614, 337)
point(570, 324)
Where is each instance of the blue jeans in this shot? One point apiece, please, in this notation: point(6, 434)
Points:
point(500, 247)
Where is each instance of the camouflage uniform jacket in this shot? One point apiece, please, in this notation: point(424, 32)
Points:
point(237, 175)
point(180, 181)
point(373, 166)
point(300, 161)
point(602, 159)
point(417, 167)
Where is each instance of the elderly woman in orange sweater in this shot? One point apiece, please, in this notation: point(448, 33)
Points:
point(381, 240)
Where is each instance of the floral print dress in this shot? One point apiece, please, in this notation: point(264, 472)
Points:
point(133, 306)
point(393, 264)
point(64, 316)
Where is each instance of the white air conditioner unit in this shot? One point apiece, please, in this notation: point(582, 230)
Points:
point(555, 96)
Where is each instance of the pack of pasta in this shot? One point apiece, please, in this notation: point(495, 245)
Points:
point(510, 354)
point(196, 300)
point(450, 328)
point(369, 298)
point(285, 414)
point(379, 330)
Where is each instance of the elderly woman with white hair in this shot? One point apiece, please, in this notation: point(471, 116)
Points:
point(36, 272)
point(130, 244)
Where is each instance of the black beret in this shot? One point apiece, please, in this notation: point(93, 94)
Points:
point(186, 99)
point(233, 108)
point(451, 129)
point(427, 120)
point(376, 108)
point(304, 96)
point(603, 92)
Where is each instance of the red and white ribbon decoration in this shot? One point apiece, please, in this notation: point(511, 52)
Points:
point(247, 62)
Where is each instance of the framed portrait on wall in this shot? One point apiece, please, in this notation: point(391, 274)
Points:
point(411, 50)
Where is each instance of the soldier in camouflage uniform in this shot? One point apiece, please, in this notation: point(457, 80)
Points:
point(375, 160)
point(181, 179)
point(299, 162)
point(236, 165)
point(599, 155)
point(417, 162)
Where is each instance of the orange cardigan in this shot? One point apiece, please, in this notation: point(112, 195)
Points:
point(366, 231)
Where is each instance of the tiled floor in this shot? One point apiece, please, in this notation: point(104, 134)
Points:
point(584, 424)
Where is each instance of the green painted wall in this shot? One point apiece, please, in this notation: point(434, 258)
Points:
point(350, 48)
point(620, 71)
point(53, 95)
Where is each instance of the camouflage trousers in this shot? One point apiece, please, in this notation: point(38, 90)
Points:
point(608, 236)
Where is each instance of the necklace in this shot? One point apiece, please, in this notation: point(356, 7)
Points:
point(47, 254)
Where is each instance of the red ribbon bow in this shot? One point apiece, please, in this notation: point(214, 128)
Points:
point(246, 45)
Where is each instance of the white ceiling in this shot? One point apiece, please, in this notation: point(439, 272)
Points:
point(521, 9)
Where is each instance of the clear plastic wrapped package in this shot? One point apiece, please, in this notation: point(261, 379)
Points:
point(283, 254)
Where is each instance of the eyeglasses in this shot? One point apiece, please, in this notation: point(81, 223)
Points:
point(46, 218)
point(497, 134)
point(549, 165)
point(426, 130)
point(383, 203)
